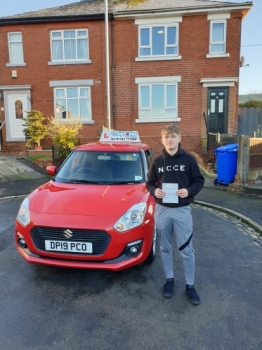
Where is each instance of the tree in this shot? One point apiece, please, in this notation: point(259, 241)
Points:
point(35, 128)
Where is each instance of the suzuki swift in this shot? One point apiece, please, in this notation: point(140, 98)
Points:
point(95, 213)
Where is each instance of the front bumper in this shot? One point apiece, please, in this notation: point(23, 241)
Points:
point(114, 258)
point(120, 263)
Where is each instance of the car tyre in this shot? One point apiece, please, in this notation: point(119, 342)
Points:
point(152, 253)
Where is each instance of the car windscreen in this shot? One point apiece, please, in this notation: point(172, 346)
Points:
point(102, 168)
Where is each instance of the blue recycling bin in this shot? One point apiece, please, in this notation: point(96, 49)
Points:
point(226, 157)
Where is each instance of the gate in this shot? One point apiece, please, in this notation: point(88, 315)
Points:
point(1, 135)
point(215, 140)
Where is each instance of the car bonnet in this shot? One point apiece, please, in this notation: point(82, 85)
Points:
point(85, 199)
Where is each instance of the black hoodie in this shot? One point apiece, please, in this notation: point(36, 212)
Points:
point(180, 168)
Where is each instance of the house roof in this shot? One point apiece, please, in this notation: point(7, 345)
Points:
point(96, 7)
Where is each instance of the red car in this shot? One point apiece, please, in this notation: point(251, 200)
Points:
point(96, 212)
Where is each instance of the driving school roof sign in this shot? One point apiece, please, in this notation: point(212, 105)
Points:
point(112, 135)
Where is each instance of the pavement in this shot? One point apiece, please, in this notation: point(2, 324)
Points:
point(11, 169)
point(18, 179)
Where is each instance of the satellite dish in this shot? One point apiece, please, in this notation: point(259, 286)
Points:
point(242, 62)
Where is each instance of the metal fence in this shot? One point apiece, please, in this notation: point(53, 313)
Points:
point(250, 122)
point(59, 156)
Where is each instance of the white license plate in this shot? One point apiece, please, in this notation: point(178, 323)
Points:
point(71, 247)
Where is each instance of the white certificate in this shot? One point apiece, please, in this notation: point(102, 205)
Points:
point(170, 190)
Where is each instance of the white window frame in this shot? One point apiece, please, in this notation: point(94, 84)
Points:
point(64, 60)
point(150, 24)
point(13, 64)
point(218, 18)
point(149, 82)
point(65, 84)
point(223, 42)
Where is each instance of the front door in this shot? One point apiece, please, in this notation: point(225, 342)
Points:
point(217, 109)
point(17, 105)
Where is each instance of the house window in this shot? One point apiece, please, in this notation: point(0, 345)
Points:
point(69, 45)
point(73, 102)
point(158, 40)
point(157, 99)
point(217, 37)
point(15, 44)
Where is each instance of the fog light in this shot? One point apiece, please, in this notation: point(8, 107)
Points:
point(22, 243)
point(133, 250)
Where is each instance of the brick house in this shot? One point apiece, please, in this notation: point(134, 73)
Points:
point(170, 61)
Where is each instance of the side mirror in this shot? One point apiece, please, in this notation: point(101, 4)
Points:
point(51, 170)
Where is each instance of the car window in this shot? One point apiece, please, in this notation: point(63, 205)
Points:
point(102, 167)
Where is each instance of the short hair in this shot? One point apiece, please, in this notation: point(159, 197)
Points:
point(171, 129)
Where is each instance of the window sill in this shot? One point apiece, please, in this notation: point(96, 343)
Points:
point(88, 122)
point(158, 120)
point(65, 63)
point(164, 58)
point(15, 139)
point(83, 121)
point(217, 55)
point(15, 64)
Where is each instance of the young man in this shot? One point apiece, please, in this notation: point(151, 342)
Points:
point(177, 172)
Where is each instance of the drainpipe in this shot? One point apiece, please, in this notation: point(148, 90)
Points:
point(113, 72)
point(108, 104)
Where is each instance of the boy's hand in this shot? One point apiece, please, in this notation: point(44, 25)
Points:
point(183, 193)
point(159, 193)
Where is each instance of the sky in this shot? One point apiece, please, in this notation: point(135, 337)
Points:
point(251, 41)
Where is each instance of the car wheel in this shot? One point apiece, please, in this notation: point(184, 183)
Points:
point(152, 253)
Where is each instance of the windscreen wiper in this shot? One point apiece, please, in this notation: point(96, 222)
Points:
point(122, 182)
point(75, 181)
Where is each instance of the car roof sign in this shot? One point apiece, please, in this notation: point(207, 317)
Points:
point(116, 136)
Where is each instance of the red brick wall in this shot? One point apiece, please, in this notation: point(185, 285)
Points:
point(192, 97)
point(193, 46)
point(38, 73)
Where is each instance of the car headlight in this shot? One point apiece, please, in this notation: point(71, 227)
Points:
point(132, 218)
point(23, 215)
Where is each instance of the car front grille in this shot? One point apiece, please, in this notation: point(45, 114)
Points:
point(99, 239)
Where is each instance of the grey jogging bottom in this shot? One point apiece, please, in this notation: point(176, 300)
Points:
point(178, 221)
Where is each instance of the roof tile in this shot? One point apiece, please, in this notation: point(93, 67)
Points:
point(97, 7)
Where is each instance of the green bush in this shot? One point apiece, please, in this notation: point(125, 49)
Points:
point(64, 133)
point(251, 103)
